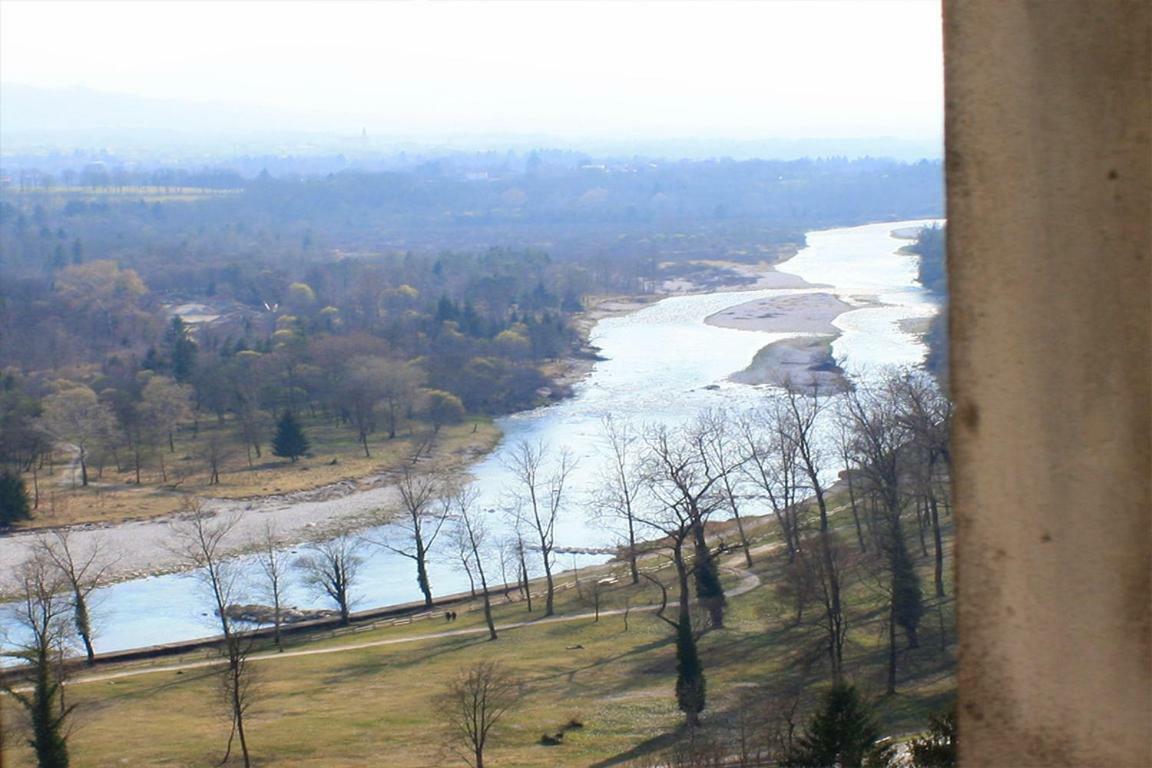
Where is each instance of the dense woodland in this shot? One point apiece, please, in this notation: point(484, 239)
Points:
point(136, 303)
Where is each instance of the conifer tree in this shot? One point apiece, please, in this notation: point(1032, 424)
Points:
point(290, 441)
point(14, 505)
point(842, 733)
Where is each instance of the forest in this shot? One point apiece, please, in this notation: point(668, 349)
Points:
point(144, 306)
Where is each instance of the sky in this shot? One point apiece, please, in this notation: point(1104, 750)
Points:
point(606, 69)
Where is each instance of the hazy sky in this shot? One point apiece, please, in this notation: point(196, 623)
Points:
point(817, 68)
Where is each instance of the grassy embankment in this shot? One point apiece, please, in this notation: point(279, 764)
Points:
point(376, 705)
point(336, 456)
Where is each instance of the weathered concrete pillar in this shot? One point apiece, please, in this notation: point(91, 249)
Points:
point(1049, 111)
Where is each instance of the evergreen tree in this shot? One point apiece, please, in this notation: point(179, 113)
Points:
point(14, 504)
point(290, 441)
point(937, 749)
point(690, 683)
point(907, 600)
point(181, 350)
point(841, 733)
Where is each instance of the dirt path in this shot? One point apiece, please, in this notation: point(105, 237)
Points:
point(748, 582)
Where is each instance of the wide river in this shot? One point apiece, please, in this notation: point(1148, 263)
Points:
point(662, 364)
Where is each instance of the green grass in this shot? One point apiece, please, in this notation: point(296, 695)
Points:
point(376, 706)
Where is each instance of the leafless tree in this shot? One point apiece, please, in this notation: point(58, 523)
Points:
point(474, 701)
point(472, 529)
point(541, 488)
point(215, 450)
point(83, 569)
point(462, 548)
point(772, 465)
point(275, 574)
point(927, 414)
point(520, 552)
point(202, 540)
point(331, 568)
point(78, 416)
point(802, 413)
point(618, 492)
point(423, 518)
point(42, 612)
point(725, 455)
point(883, 445)
point(680, 471)
point(674, 525)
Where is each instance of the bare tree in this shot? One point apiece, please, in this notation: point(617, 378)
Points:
point(927, 414)
point(472, 530)
point(331, 569)
point(78, 416)
point(42, 612)
point(618, 492)
point(520, 552)
point(541, 487)
point(273, 561)
point(725, 455)
point(83, 570)
point(674, 523)
point(462, 548)
point(772, 465)
point(882, 444)
point(476, 699)
point(802, 415)
point(423, 518)
point(202, 542)
point(215, 451)
point(680, 471)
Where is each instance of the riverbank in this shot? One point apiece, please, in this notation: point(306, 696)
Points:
point(639, 366)
point(142, 547)
point(611, 670)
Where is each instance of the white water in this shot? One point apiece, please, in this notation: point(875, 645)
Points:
point(658, 364)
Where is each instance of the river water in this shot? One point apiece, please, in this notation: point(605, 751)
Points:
point(662, 364)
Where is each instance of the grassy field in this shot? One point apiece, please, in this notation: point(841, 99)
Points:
point(376, 705)
point(336, 455)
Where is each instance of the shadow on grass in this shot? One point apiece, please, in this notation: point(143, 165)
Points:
point(646, 748)
point(370, 664)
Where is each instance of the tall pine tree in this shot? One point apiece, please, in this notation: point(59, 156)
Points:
point(14, 505)
point(290, 441)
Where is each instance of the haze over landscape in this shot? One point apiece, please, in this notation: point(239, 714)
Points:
point(364, 361)
point(476, 74)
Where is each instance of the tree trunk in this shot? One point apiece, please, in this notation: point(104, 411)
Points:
point(238, 714)
point(633, 568)
point(550, 597)
point(487, 600)
point(937, 543)
point(524, 578)
point(84, 625)
point(855, 512)
point(422, 571)
point(892, 651)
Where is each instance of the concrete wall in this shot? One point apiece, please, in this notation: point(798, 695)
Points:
point(1049, 109)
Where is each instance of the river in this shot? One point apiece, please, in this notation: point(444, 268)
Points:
point(662, 364)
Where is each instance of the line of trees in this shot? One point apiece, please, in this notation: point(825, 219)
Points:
point(884, 444)
point(878, 453)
